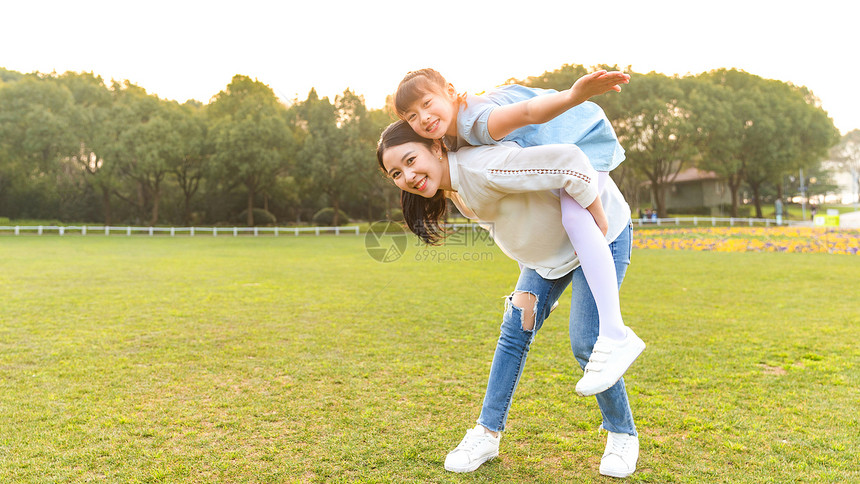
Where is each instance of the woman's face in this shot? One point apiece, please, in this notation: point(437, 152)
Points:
point(416, 169)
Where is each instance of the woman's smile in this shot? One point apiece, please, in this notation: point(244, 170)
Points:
point(421, 185)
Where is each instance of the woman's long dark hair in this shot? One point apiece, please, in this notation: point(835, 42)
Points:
point(423, 216)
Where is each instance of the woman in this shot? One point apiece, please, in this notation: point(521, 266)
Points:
point(510, 191)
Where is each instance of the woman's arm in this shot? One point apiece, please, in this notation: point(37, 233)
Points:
point(538, 110)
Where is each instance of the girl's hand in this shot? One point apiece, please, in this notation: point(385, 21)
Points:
point(599, 215)
point(597, 83)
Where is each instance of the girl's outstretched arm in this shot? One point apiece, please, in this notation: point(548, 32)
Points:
point(538, 110)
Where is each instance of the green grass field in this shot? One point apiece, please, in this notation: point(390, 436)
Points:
point(137, 359)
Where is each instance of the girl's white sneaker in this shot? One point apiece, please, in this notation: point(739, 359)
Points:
point(477, 447)
point(609, 360)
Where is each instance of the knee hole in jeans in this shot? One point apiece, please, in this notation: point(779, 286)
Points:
point(527, 302)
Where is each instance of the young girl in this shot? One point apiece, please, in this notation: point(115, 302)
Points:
point(531, 117)
point(510, 190)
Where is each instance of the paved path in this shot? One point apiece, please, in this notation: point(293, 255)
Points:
point(850, 220)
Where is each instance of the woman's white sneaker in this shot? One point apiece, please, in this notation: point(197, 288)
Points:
point(619, 458)
point(609, 360)
point(477, 447)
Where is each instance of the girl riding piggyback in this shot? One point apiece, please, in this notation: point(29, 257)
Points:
point(531, 117)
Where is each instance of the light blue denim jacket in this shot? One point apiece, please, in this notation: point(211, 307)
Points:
point(584, 125)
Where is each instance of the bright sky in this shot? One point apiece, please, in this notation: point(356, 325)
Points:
point(183, 49)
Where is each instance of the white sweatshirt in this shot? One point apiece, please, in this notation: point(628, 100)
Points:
point(509, 190)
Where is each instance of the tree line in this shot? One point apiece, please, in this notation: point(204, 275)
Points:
point(77, 149)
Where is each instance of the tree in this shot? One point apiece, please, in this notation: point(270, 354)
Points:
point(34, 136)
point(361, 129)
point(772, 128)
point(802, 136)
point(378, 195)
point(34, 119)
point(9, 76)
point(170, 142)
point(93, 102)
point(655, 129)
point(847, 156)
point(188, 166)
point(331, 136)
point(250, 136)
point(136, 136)
point(722, 120)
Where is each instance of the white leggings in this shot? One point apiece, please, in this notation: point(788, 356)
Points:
point(596, 261)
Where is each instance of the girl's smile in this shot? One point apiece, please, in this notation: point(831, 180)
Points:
point(432, 127)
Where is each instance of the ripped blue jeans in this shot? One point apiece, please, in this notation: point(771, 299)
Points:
point(514, 342)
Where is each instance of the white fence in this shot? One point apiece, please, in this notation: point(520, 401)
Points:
point(354, 229)
point(713, 221)
point(172, 231)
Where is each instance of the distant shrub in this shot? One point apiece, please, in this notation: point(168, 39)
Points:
point(261, 217)
point(396, 215)
point(325, 217)
point(697, 211)
point(743, 210)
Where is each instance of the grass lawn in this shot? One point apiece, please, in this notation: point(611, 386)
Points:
point(137, 359)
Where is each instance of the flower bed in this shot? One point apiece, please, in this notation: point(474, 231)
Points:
point(751, 239)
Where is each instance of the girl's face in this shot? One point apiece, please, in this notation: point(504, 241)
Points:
point(416, 169)
point(434, 114)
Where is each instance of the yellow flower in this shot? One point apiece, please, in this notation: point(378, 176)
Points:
point(755, 239)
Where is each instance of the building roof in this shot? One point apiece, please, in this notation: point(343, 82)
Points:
point(690, 175)
point(694, 174)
